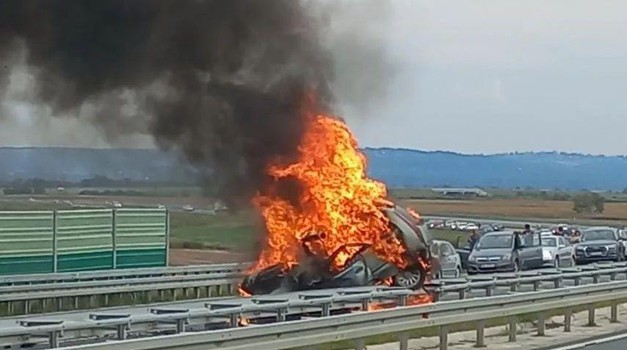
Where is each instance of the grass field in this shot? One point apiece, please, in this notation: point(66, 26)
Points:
point(615, 213)
point(232, 232)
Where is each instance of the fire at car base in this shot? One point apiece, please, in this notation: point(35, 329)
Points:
point(341, 231)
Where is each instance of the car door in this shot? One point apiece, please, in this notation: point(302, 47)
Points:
point(531, 253)
point(563, 249)
point(449, 257)
point(537, 250)
point(523, 250)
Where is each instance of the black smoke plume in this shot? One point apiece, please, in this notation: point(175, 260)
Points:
point(223, 80)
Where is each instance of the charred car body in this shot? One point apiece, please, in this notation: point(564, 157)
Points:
point(365, 268)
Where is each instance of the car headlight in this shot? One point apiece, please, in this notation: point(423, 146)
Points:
point(580, 248)
point(612, 248)
point(507, 256)
point(472, 258)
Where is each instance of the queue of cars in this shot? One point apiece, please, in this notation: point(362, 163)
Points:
point(511, 251)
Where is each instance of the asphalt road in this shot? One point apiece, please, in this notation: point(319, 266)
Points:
point(611, 343)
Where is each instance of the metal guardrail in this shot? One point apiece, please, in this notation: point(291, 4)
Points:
point(358, 325)
point(47, 278)
point(103, 325)
point(211, 276)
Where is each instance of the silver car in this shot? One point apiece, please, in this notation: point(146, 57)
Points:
point(446, 260)
point(557, 251)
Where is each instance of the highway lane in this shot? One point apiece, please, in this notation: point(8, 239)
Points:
point(615, 342)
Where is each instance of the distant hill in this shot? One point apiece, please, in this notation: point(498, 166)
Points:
point(397, 167)
point(76, 164)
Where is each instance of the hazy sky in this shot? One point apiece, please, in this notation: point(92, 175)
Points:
point(473, 76)
point(494, 76)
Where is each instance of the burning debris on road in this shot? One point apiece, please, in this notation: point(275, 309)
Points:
point(340, 231)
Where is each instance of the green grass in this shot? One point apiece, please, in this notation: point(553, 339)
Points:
point(232, 232)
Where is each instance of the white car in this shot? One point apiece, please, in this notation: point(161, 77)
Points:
point(557, 251)
point(472, 227)
point(449, 263)
point(188, 208)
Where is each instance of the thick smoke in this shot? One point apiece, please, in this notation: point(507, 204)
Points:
point(222, 80)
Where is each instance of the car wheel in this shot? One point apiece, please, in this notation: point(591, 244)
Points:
point(556, 263)
point(412, 279)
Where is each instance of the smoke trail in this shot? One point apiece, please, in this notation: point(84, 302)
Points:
point(222, 80)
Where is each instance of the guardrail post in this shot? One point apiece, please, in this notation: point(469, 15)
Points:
point(558, 282)
point(167, 237)
point(53, 339)
point(360, 344)
point(595, 279)
point(435, 295)
point(613, 276)
point(55, 258)
point(614, 312)
point(488, 291)
point(541, 324)
point(180, 325)
point(462, 294)
point(591, 310)
point(568, 316)
point(280, 314)
point(577, 281)
point(326, 310)
point(480, 334)
point(114, 243)
point(443, 337)
point(121, 331)
point(536, 286)
point(403, 339)
point(512, 329)
point(513, 287)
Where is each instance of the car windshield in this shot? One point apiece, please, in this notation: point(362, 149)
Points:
point(549, 241)
point(598, 235)
point(495, 241)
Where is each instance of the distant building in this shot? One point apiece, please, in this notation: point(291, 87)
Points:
point(466, 192)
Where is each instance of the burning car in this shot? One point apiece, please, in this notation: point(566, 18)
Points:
point(363, 268)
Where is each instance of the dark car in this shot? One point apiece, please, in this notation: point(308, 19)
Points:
point(599, 244)
point(505, 251)
point(365, 268)
point(485, 229)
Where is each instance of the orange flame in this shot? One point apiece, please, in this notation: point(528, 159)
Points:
point(243, 321)
point(417, 299)
point(338, 202)
point(242, 292)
